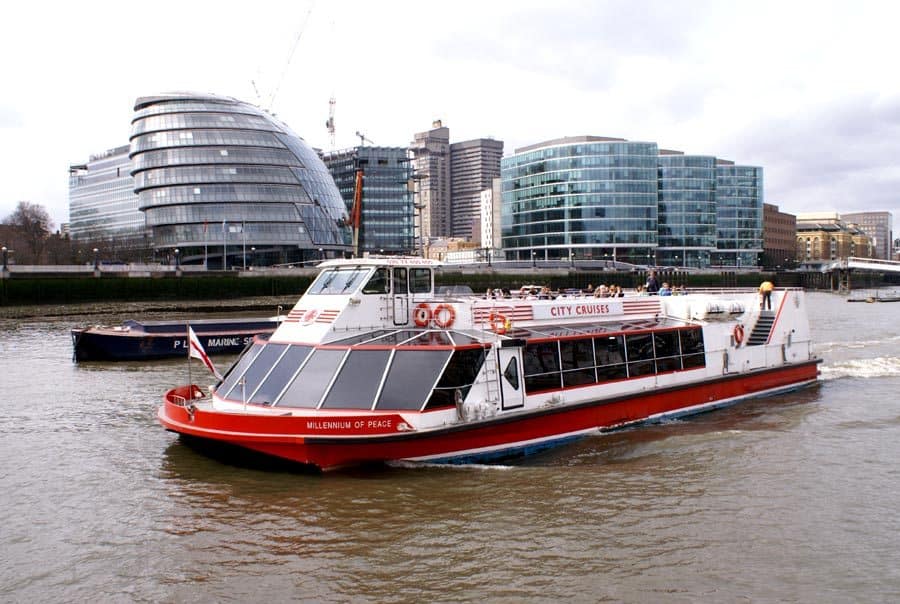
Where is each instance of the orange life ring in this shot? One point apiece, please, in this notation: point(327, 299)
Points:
point(738, 334)
point(499, 324)
point(443, 316)
point(422, 315)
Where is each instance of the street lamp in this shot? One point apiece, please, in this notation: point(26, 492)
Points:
point(96, 259)
point(533, 259)
point(177, 259)
point(5, 258)
point(321, 254)
point(252, 256)
point(572, 259)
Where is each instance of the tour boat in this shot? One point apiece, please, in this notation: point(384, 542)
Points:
point(146, 340)
point(372, 366)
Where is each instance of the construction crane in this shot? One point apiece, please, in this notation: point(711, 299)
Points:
point(363, 139)
point(330, 123)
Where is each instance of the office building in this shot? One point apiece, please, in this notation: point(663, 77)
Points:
point(431, 162)
point(387, 205)
point(878, 226)
point(218, 178)
point(579, 197)
point(824, 237)
point(779, 238)
point(473, 166)
point(687, 209)
point(489, 238)
point(739, 214)
point(102, 203)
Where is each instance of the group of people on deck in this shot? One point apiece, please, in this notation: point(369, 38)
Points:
point(651, 288)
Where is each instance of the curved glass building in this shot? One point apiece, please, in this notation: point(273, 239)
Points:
point(583, 197)
point(229, 185)
point(687, 209)
point(739, 214)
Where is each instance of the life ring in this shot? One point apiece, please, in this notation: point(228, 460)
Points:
point(499, 324)
point(443, 316)
point(738, 334)
point(422, 315)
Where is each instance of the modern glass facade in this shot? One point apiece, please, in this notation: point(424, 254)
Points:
point(387, 202)
point(739, 215)
point(102, 202)
point(217, 177)
point(591, 197)
point(687, 210)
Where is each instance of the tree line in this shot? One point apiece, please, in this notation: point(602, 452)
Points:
point(28, 235)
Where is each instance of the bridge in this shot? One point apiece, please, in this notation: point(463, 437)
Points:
point(841, 269)
point(867, 264)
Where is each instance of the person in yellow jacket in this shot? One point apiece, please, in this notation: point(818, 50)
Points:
point(765, 295)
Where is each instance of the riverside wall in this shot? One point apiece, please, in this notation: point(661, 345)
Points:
point(47, 286)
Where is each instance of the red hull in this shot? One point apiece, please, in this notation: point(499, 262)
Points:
point(291, 438)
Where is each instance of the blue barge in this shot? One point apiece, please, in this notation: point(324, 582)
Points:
point(141, 341)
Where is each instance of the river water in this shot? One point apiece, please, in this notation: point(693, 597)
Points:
point(791, 498)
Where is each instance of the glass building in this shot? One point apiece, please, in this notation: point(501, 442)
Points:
point(102, 202)
point(687, 209)
point(387, 201)
point(739, 214)
point(220, 179)
point(581, 197)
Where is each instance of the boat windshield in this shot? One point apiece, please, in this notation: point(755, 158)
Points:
point(336, 281)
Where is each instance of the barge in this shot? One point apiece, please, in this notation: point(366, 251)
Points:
point(147, 340)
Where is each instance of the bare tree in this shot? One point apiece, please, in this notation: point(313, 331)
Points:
point(32, 223)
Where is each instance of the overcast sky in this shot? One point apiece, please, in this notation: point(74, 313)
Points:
point(809, 91)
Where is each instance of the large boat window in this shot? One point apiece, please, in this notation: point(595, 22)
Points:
point(431, 338)
point(278, 378)
point(667, 350)
point(358, 381)
point(693, 354)
point(400, 281)
point(420, 280)
point(647, 354)
point(237, 370)
point(411, 377)
point(541, 358)
point(337, 281)
point(577, 362)
point(308, 387)
point(460, 374)
point(576, 354)
point(361, 338)
point(378, 283)
point(541, 363)
point(639, 349)
point(247, 383)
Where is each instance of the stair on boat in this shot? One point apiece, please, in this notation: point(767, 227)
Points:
point(762, 329)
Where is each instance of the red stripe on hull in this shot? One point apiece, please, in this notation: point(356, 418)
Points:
point(274, 435)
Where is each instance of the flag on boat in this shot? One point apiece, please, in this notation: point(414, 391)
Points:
point(197, 352)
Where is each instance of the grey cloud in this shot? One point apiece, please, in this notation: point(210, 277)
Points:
point(833, 157)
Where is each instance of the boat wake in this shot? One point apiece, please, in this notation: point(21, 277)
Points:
point(826, 347)
point(414, 465)
point(862, 368)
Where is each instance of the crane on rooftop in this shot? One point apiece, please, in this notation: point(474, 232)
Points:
point(363, 139)
point(330, 122)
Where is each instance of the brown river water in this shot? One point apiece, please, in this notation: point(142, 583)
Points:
point(792, 498)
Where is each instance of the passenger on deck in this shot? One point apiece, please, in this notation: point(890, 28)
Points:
point(765, 295)
point(652, 285)
point(665, 290)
